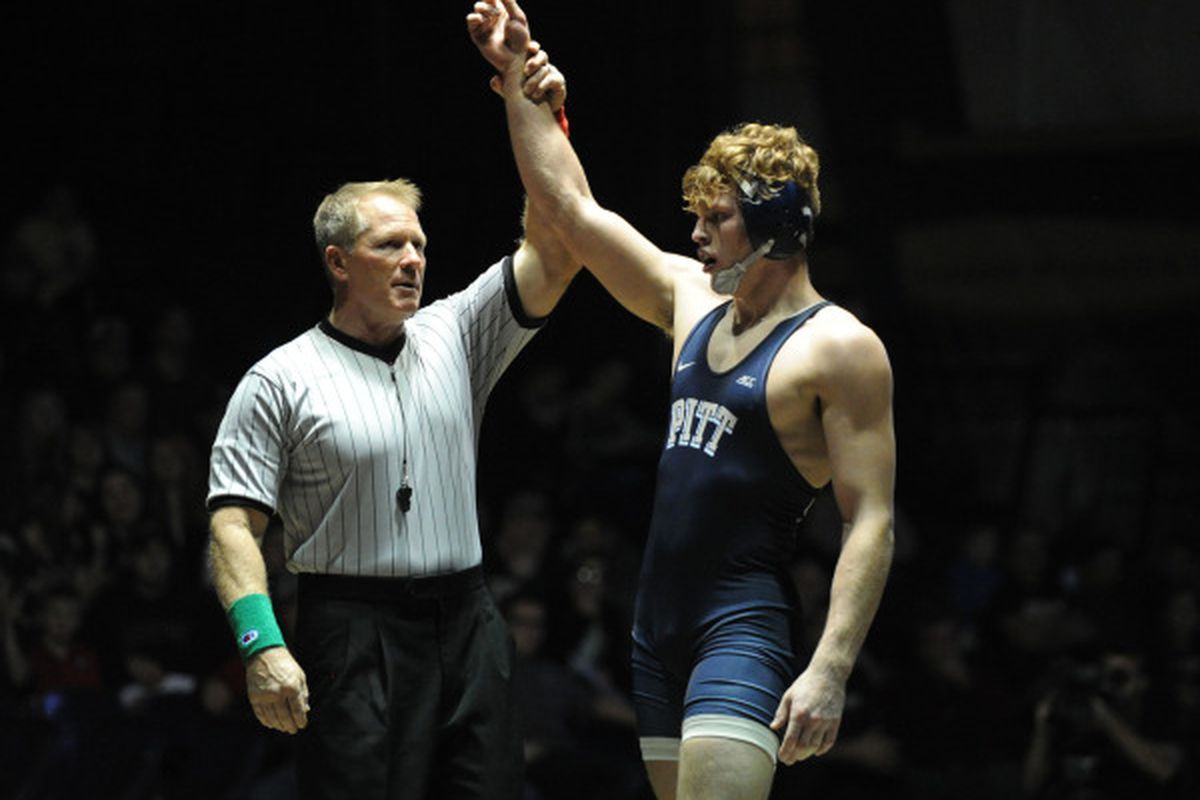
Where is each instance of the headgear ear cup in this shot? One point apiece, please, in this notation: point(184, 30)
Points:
point(776, 211)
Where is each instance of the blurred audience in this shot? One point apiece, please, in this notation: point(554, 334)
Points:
point(1010, 657)
point(579, 735)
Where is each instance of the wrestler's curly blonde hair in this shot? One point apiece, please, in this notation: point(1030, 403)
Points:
point(752, 150)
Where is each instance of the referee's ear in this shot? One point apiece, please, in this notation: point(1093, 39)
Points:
point(335, 264)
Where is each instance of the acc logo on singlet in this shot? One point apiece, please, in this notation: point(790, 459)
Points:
point(699, 424)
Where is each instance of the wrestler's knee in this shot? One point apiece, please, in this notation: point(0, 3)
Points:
point(713, 766)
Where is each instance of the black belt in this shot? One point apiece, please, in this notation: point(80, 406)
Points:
point(372, 589)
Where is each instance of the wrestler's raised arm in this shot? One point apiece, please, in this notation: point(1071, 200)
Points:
point(636, 272)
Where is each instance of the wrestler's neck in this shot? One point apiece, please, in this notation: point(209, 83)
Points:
point(772, 289)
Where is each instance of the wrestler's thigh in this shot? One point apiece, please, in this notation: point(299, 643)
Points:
point(744, 664)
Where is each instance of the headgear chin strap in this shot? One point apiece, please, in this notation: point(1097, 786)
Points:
point(727, 280)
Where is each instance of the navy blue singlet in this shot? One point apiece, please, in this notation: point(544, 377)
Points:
point(727, 507)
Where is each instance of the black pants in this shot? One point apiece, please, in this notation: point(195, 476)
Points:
point(409, 686)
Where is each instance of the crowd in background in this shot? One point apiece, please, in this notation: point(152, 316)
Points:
point(1009, 659)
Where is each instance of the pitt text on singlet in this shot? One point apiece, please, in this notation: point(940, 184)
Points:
point(699, 424)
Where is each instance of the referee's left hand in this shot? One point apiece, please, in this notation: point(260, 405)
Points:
point(278, 690)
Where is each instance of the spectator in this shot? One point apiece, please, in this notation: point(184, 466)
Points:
point(42, 433)
point(122, 512)
point(559, 711)
point(58, 662)
point(19, 731)
point(946, 703)
point(1030, 624)
point(152, 622)
point(72, 722)
point(1093, 738)
point(176, 379)
point(108, 360)
point(45, 272)
point(52, 251)
point(593, 630)
point(976, 574)
point(176, 490)
point(126, 427)
point(522, 544)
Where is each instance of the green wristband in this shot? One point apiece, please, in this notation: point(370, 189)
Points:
point(254, 625)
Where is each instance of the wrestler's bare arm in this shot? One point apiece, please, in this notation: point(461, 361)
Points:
point(637, 273)
point(852, 380)
point(543, 267)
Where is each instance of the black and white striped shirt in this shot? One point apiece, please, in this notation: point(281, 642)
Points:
point(319, 429)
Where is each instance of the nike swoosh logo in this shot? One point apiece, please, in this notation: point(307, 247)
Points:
point(684, 366)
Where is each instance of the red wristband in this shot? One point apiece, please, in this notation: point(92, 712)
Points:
point(561, 116)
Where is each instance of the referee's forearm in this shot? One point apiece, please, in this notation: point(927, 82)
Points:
point(235, 559)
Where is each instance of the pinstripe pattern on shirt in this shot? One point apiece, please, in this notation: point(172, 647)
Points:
point(318, 431)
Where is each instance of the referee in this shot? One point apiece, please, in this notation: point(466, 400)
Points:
point(361, 435)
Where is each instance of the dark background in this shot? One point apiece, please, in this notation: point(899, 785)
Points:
point(1009, 187)
point(1009, 200)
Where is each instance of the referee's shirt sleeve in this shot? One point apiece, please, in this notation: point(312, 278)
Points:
point(494, 324)
point(249, 458)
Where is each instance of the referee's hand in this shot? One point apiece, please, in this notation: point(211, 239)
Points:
point(277, 690)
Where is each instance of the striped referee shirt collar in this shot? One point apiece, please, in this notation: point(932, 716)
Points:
point(386, 352)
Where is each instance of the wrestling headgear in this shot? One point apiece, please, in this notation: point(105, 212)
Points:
point(779, 222)
point(780, 212)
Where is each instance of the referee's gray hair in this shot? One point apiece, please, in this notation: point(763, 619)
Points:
point(337, 221)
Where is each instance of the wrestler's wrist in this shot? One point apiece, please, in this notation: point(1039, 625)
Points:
point(831, 669)
point(255, 628)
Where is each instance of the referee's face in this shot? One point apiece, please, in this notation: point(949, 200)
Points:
point(386, 267)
